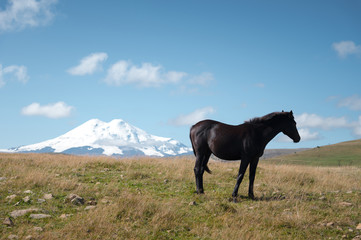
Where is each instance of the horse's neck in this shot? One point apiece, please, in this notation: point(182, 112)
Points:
point(269, 132)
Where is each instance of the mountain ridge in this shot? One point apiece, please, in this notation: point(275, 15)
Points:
point(114, 138)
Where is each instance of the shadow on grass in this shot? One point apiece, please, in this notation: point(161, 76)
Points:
point(278, 197)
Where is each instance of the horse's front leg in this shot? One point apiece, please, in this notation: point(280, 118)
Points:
point(252, 174)
point(242, 170)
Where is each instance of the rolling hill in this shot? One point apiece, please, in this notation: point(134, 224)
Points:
point(340, 154)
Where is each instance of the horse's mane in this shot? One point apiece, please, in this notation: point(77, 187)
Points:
point(266, 118)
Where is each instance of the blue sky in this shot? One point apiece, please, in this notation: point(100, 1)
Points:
point(164, 65)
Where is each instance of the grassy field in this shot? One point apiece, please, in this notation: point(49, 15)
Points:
point(340, 154)
point(150, 198)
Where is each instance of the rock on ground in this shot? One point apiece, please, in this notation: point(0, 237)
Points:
point(89, 207)
point(11, 197)
point(48, 196)
point(19, 213)
point(8, 222)
point(92, 202)
point(39, 216)
point(330, 224)
point(105, 201)
point(74, 199)
point(26, 199)
point(193, 203)
point(38, 229)
point(63, 216)
point(345, 204)
point(358, 226)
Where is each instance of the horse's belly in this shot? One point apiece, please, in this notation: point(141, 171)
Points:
point(228, 157)
point(226, 145)
point(228, 153)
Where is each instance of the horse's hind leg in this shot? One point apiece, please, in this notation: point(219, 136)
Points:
point(198, 175)
point(199, 168)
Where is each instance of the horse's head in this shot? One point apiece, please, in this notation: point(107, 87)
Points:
point(289, 128)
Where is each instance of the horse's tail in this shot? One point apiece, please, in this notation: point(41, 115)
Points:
point(190, 136)
point(207, 169)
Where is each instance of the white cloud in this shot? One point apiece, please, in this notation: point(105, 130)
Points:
point(19, 73)
point(307, 120)
point(305, 134)
point(19, 14)
point(89, 64)
point(345, 48)
point(193, 117)
point(146, 75)
point(202, 79)
point(353, 103)
point(174, 77)
point(357, 127)
point(53, 110)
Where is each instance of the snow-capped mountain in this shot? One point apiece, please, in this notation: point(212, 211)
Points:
point(116, 138)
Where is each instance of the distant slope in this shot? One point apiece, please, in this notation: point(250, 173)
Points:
point(271, 153)
point(340, 154)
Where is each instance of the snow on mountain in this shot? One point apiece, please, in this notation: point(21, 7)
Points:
point(117, 137)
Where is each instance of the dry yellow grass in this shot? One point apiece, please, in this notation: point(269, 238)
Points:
point(149, 198)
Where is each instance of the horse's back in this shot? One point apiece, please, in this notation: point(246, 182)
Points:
point(223, 140)
point(200, 127)
point(204, 124)
point(206, 127)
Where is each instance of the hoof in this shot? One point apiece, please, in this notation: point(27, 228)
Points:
point(234, 198)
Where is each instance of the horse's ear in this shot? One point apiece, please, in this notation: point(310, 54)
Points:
point(283, 111)
point(291, 112)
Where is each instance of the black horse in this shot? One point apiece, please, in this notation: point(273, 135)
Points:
point(245, 142)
